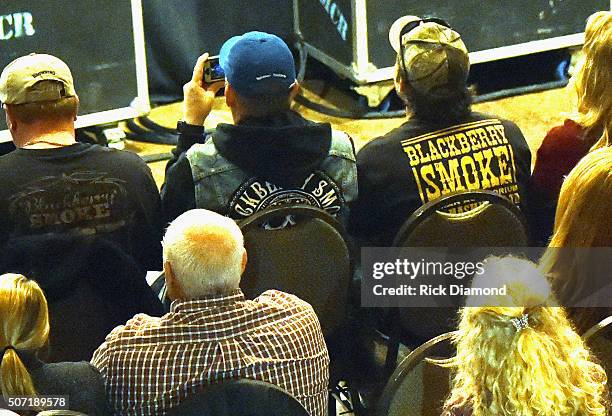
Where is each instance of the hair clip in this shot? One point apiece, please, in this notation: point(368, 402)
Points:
point(520, 323)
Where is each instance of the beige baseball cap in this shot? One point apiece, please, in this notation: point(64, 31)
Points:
point(434, 56)
point(19, 80)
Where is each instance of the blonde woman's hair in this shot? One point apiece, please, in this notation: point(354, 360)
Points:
point(24, 326)
point(583, 216)
point(542, 369)
point(582, 221)
point(593, 78)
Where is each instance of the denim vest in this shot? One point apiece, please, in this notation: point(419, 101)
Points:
point(223, 187)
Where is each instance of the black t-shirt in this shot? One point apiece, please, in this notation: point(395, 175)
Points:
point(86, 190)
point(419, 162)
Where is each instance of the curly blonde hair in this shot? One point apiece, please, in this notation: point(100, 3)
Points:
point(542, 369)
point(593, 78)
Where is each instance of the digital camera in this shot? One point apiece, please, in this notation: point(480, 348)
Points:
point(213, 71)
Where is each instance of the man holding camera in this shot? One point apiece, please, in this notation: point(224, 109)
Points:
point(270, 155)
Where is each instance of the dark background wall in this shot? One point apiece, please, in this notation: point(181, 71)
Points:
point(178, 31)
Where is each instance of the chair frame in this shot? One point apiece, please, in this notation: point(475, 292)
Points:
point(214, 389)
point(406, 366)
point(302, 210)
point(597, 329)
point(429, 208)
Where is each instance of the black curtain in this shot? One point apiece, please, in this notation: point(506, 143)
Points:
point(178, 31)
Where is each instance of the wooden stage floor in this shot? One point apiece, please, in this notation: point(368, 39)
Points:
point(534, 113)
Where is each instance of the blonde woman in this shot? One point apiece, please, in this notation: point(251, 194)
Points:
point(583, 221)
point(591, 125)
point(24, 330)
point(518, 355)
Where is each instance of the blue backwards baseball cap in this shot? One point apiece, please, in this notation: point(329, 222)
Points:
point(258, 63)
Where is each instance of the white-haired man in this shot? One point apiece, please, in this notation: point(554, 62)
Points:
point(212, 333)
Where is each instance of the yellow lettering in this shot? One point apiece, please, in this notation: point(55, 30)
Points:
point(451, 179)
point(318, 191)
point(424, 159)
point(412, 155)
point(484, 138)
point(433, 152)
point(493, 134)
point(102, 210)
point(441, 143)
point(452, 149)
point(476, 145)
point(464, 143)
point(502, 133)
point(489, 180)
point(503, 158)
point(36, 221)
point(470, 174)
point(432, 191)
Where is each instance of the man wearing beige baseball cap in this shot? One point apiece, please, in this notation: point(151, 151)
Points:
point(443, 146)
point(38, 96)
point(53, 184)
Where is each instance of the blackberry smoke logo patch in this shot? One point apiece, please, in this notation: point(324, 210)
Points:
point(317, 190)
point(85, 202)
point(466, 157)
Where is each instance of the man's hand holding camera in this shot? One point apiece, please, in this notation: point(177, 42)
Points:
point(199, 96)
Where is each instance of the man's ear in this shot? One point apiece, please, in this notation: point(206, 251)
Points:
point(295, 89)
point(11, 123)
point(244, 260)
point(398, 82)
point(78, 102)
point(230, 95)
point(402, 87)
point(173, 287)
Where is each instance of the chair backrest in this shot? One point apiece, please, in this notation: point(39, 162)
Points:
point(300, 250)
point(492, 221)
point(420, 383)
point(599, 340)
point(240, 398)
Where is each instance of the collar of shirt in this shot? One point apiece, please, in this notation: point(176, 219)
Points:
point(207, 302)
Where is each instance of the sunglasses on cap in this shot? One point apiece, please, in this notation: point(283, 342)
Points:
point(410, 26)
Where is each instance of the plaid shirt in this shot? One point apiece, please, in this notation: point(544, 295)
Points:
point(151, 364)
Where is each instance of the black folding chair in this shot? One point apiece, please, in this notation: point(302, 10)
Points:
point(421, 382)
point(240, 398)
point(301, 250)
point(491, 221)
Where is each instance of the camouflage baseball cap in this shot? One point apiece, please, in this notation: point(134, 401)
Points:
point(19, 82)
point(435, 58)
